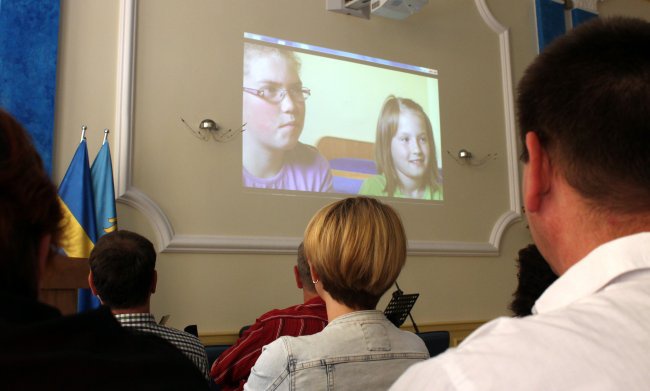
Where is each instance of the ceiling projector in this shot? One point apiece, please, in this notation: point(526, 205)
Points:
point(393, 9)
point(396, 9)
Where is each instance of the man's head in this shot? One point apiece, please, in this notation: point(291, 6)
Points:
point(273, 121)
point(30, 212)
point(122, 270)
point(302, 273)
point(587, 99)
point(585, 126)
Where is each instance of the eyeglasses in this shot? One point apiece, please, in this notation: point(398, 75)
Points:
point(276, 95)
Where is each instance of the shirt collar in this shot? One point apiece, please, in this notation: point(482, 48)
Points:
point(135, 318)
point(596, 271)
point(315, 300)
point(360, 315)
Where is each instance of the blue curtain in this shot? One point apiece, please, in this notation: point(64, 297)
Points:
point(29, 31)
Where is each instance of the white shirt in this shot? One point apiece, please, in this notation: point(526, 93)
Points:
point(590, 331)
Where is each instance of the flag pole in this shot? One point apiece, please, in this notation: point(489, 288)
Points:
point(83, 132)
point(105, 135)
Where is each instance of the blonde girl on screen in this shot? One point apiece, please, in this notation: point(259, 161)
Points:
point(405, 153)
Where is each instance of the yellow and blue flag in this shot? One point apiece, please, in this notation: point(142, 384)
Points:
point(78, 205)
point(104, 191)
point(101, 173)
point(76, 195)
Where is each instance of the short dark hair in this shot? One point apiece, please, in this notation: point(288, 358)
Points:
point(533, 277)
point(29, 209)
point(123, 265)
point(587, 97)
point(303, 269)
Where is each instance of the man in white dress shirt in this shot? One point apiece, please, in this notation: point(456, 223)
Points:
point(584, 117)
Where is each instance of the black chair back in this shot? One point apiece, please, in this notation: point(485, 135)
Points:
point(436, 341)
point(192, 329)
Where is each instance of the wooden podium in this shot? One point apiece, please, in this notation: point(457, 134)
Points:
point(62, 278)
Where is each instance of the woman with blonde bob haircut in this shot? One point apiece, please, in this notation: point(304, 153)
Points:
point(356, 248)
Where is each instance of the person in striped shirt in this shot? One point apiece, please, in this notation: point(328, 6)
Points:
point(123, 277)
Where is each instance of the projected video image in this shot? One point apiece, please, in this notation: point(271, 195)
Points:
point(322, 120)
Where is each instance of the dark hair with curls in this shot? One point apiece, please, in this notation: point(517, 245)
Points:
point(29, 209)
point(533, 277)
point(587, 98)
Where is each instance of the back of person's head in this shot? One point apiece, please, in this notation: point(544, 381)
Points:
point(29, 209)
point(303, 270)
point(587, 97)
point(357, 246)
point(122, 265)
point(387, 126)
point(533, 277)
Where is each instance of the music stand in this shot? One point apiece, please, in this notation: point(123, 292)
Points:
point(400, 306)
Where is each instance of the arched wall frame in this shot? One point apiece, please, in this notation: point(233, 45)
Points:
point(169, 241)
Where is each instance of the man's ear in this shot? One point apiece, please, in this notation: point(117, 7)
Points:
point(537, 173)
point(296, 275)
point(154, 281)
point(91, 283)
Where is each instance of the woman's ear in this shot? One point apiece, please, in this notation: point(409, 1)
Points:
point(314, 275)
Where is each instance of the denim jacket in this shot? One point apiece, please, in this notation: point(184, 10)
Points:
point(356, 351)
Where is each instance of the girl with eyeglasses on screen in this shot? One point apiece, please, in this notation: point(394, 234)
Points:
point(274, 114)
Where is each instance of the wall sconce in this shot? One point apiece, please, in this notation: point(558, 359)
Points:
point(208, 128)
point(466, 158)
